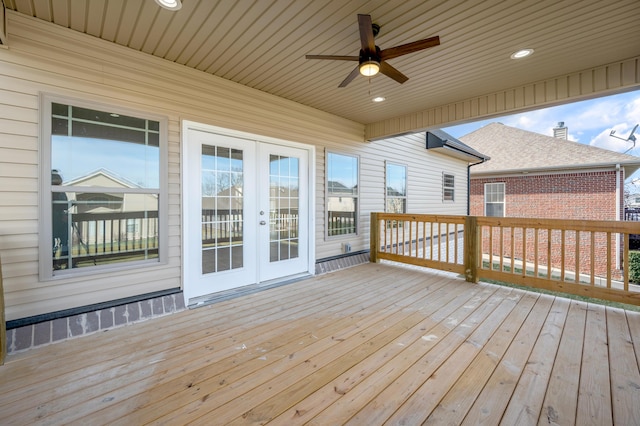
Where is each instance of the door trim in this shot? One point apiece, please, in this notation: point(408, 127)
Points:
point(187, 125)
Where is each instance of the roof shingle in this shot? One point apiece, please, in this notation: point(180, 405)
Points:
point(517, 150)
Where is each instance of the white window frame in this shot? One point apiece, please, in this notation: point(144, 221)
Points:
point(446, 187)
point(404, 197)
point(45, 188)
point(327, 194)
point(504, 196)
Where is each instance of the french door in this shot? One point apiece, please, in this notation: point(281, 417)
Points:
point(246, 210)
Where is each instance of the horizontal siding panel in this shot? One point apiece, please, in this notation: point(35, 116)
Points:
point(18, 170)
point(18, 255)
point(15, 184)
point(19, 156)
point(18, 199)
point(13, 141)
point(11, 241)
point(21, 128)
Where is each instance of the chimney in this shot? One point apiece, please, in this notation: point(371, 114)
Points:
point(560, 131)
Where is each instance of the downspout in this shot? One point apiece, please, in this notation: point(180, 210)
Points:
point(469, 184)
point(618, 203)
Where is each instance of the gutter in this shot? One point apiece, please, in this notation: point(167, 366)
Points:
point(557, 168)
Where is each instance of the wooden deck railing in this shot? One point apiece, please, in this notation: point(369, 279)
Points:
point(588, 258)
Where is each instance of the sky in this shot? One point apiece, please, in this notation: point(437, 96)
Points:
point(589, 122)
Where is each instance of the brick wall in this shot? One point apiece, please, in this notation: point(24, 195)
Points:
point(47, 332)
point(581, 196)
point(587, 195)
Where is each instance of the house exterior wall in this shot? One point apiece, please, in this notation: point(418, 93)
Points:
point(44, 58)
point(588, 195)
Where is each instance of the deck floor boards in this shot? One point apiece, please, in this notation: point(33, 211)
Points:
point(372, 344)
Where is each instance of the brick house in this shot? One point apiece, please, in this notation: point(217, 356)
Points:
point(533, 175)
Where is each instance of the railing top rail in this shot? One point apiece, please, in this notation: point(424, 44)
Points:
point(624, 227)
point(437, 218)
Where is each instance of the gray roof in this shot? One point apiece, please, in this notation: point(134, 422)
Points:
point(514, 150)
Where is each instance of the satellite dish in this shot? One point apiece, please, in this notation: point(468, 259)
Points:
point(630, 138)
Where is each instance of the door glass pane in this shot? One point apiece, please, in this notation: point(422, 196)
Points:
point(283, 207)
point(222, 209)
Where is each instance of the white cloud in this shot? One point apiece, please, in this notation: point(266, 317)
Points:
point(589, 122)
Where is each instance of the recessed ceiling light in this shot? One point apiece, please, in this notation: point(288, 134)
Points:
point(522, 53)
point(378, 99)
point(170, 4)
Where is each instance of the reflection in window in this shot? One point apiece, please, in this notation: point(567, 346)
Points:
point(105, 187)
point(396, 193)
point(342, 194)
point(284, 185)
point(222, 209)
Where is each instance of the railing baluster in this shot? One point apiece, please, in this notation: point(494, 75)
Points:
point(577, 262)
point(609, 261)
point(562, 256)
point(535, 250)
point(513, 251)
point(501, 265)
point(593, 258)
point(549, 261)
point(524, 251)
point(625, 269)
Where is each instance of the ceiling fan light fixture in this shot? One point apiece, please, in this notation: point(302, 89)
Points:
point(522, 53)
point(170, 4)
point(369, 68)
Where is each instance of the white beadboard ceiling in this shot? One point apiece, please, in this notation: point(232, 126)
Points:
point(262, 43)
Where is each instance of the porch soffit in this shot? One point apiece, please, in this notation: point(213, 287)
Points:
point(583, 48)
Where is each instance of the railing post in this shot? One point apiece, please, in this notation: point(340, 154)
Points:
point(374, 238)
point(471, 251)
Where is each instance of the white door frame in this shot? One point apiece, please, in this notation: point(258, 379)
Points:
point(184, 146)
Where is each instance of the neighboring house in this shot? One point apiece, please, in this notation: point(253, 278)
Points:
point(533, 175)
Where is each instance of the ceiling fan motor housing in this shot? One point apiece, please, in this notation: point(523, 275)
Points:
point(368, 56)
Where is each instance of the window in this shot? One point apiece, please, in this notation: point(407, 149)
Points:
point(105, 198)
point(396, 193)
point(494, 199)
point(448, 187)
point(342, 194)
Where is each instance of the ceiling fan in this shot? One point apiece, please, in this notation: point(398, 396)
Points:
point(373, 60)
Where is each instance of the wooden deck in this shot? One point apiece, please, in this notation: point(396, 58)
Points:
point(373, 344)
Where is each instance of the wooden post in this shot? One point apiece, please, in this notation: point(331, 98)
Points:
point(471, 249)
point(374, 238)
point(3, 326)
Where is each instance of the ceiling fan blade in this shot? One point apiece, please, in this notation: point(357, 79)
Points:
point(393, 73)
point(366, 33)
point(350, 77)
point(333, 57)
point(394, 52)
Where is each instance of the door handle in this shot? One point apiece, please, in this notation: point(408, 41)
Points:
point(262, 222)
